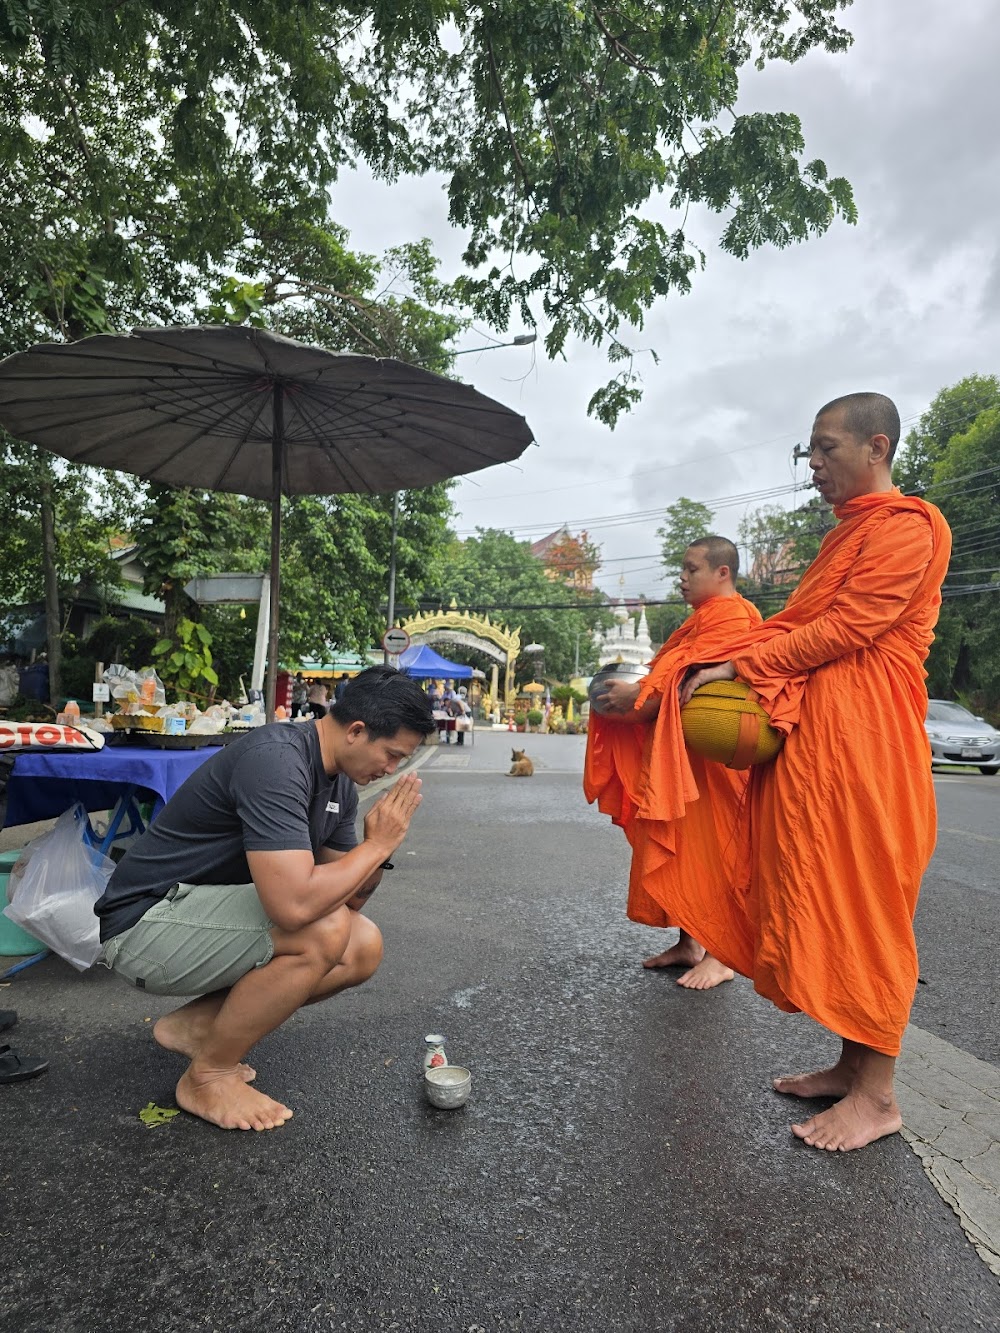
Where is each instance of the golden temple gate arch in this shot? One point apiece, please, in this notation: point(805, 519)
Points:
point(476, 632)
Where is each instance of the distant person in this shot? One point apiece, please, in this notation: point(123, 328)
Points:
point(247, 890)
point(457, 708)
point(318, 698)
point(300, 696)
point(340, 687)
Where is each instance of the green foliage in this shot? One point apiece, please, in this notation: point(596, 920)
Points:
point(535, 717)
point(88, 504)
point(780, 544)
point(184, 661)
point(562, 694)
point(684, 522)
point(951, 412)
point(663, 620)
point(495, 574)
point(155, 153)
point(128, 641)
point(965, 657)
point(77, 678)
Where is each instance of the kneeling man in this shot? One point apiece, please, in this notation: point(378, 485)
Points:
point(247, 890)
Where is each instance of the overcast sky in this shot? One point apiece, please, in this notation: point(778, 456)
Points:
point(905, 303)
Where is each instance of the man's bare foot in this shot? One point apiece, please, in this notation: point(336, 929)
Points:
point(685, 953)
point(706, 975)
point(855, 1121)
point(223, 1098)
point(185, 1029)
point(835, 1082)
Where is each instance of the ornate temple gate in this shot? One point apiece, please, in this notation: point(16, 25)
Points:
point(476, 632)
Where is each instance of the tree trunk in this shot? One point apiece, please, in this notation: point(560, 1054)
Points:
point(52, 621)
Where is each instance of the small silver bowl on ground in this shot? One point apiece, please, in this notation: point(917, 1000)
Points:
point(447, 1086)
point(626, 671)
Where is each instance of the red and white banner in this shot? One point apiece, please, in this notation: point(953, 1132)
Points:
point(47, 736)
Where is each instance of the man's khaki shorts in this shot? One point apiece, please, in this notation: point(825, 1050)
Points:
point(200, 938)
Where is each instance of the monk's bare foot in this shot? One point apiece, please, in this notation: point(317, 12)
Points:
point(224, 1098)
point(835, 1082)
point(685, 953)
point(185, 1029)
point(706, 975)
point(855, 1121)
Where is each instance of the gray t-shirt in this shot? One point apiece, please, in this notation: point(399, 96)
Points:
point(266, 792)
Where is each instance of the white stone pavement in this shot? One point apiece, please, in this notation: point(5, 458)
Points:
point(951, 1119)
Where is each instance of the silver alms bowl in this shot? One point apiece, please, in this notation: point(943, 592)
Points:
point(627, 671)
point(448, 1086)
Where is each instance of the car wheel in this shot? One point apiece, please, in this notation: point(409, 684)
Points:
point(989, 772)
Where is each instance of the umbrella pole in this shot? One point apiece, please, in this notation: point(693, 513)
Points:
point(391, 617)
point(277, 446)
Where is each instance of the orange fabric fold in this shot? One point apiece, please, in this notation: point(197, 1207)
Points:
point(843, 822)
point(679, 812)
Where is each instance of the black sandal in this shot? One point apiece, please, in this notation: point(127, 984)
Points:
point(15, 1070)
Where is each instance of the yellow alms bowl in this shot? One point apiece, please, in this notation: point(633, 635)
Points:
point(724, 721)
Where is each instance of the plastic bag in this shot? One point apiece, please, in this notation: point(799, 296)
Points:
point(55, 885)
point(151, 691)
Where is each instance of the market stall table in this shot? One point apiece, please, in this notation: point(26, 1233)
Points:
point(44, 784)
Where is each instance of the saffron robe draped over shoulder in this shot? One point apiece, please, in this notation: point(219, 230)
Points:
point(678, 811)
point(843, 822)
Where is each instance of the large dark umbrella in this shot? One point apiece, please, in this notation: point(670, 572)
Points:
point(237, 409)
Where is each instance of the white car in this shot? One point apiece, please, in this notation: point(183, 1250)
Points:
point(959, 737)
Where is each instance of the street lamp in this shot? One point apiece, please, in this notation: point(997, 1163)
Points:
point(519, 340)
point(537, 660)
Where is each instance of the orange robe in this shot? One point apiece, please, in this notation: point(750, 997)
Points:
point(843, 822)
point(678, 811)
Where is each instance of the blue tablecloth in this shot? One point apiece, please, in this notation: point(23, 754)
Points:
point(43, 785)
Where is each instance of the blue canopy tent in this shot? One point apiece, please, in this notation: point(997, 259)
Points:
point(422, 661)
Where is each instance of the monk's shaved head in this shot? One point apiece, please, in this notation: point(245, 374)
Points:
point(867, 414)
point(719, 551)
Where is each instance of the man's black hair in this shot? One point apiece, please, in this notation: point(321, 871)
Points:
point(386, 701)
point(868, 414)
point(720, 551)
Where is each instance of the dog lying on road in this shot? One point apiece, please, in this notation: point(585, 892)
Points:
point(521, 767)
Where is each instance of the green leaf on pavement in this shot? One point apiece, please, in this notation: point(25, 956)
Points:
point(152, 1115)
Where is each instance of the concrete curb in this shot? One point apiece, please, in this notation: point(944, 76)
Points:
point(951, 1119)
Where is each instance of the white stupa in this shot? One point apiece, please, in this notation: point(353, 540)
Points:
point(627, 640)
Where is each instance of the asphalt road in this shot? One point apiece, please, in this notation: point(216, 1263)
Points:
point(621, 1164)
point(958, 918)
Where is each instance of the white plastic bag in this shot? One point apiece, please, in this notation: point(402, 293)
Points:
point(58, 880)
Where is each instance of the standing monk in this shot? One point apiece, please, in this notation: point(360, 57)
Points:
point(843, 822)
point(677, 810)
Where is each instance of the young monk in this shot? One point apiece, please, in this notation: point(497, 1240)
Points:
point(843, 822)
point(677, 810)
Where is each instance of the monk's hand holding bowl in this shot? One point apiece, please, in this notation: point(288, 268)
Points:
point(702, 676)
point(618, 698)
point(617, 703)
